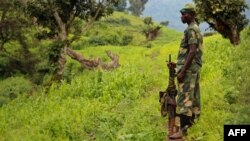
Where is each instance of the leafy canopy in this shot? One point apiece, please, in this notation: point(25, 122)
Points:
point(224, 16)
point(44, 10)
point(137, 6)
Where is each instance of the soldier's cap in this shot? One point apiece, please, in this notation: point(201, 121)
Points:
point(189, 7)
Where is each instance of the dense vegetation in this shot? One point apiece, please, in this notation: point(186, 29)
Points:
point(225, 16)
point(122, 104)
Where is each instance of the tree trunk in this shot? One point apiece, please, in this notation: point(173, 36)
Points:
point(62, 37)
point(235, 37)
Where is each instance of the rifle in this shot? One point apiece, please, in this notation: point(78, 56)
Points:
point(167, 99)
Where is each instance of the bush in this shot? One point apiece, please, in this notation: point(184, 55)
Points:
point(164, 23)
point(97, 40)
point(126, 39)
point(72, 69)
point(121, 21)
point(236, 81)
point(148, 21)
point(114, 39)
point(80, 45)
point(3, 100)
point(11, 87)
point(3, 65)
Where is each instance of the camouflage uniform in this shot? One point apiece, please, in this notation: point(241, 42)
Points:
point(188, 99)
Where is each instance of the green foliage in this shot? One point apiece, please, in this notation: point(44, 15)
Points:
point(3, 65)
point(137, 7)
point(148, 21)
point(17, 58)
point(121, 6)
point(85, 9)
point(164, 23)
point(13, 20)
point(12, 87)
point(126, 40)
point(224, 16)
point(54, 51)
point(98, 41)
point(15, 32)
point(62, 16)
point(231, 95)
point(150, 30)
point(81, 43)
point(237, 70)
point(123, 30)
point(121, 21)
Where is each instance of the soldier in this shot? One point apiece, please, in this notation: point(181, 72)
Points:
point(188, 72)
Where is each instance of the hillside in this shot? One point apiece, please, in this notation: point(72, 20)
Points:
point(122, 105)
point(122, 29)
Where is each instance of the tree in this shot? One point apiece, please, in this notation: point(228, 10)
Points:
point(148, 21)
point(121, 6)
point(224, 16)
point(14, 27)
point(150, 30)
point(164, 23)
point(58, 16)
point(137, 6)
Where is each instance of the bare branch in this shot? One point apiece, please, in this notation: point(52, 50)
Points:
point(113, 64)
point(59, 21)
point(71, 19)
point(95, 63)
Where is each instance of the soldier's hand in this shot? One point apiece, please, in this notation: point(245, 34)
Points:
point(180, 77)
point(171, 65)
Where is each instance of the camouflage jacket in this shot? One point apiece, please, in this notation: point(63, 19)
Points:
point(192, 35)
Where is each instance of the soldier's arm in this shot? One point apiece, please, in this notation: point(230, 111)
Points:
point(192, 46)
point(190, 57)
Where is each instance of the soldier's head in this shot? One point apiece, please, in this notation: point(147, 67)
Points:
point(188, 13)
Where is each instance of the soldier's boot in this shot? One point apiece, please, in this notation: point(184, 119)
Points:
point(186, 122)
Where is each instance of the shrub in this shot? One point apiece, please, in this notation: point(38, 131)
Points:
point(148, 21)
point(97, 40)
point(126, 39)
point(80, 43)
point(11, 87)
point(120, 21)
point(3, 65)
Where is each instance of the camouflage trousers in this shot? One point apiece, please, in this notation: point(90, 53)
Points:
point(188, 98)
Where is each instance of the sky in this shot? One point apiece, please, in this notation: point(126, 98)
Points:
point(168, 10)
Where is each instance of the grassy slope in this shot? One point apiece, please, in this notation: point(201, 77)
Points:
point(125, 24)
point(122, 104)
